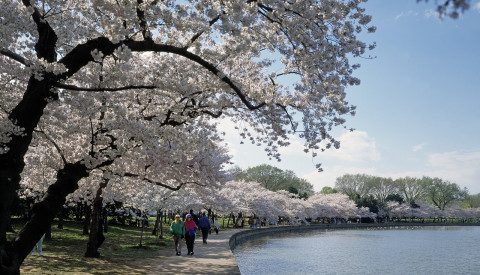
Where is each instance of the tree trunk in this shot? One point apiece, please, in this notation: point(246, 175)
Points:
point(61, 215)
point(142, 224)
point(14, 252)
point(96, 237)
point(26, 116)
point(105, 221)
point(161, 225)
point(48, 234)
point(86, 222)
point(157, 222)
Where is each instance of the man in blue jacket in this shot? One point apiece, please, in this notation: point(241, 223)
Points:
point(204, 225)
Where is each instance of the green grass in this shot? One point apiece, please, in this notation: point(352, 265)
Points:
point(120, 253)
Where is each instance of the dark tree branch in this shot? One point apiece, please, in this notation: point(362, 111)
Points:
point(197, 35)
point(104, 89)
point(173, 188)
point(47, 39)
point(15, 57)
point(143, 23)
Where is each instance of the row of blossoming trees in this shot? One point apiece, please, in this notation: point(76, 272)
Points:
point(251, 199)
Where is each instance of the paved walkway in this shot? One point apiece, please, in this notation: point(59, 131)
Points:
point(212, 258)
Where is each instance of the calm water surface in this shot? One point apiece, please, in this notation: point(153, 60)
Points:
point(419, 250)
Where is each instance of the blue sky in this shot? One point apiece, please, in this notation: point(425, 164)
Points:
point(418, 103)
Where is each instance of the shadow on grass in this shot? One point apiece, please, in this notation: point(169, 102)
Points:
point(120, 253)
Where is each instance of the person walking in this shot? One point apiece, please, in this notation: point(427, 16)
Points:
point(38, 247)
point(216, 225)
point(204, 225)
point(190, 231)
point(177, 228)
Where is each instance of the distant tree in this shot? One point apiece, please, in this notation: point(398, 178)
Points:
point(395, 197)
point(471, 201)
point(353, 185)
point(268, 176)
point(328, 190)
point(381, 187)
point(412, 189)
point(442, 193)
point(274, 179)
point(236, 172)
point(370, 202)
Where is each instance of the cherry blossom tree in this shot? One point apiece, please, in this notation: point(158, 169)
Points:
point(335, 205)
point(211, 56)
point(163, 162)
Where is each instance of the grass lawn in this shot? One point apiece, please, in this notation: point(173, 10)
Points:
point(120, 253)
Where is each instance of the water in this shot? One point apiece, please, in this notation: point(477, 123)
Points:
point(419, 250)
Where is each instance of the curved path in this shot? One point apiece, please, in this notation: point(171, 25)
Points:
point(212, 258)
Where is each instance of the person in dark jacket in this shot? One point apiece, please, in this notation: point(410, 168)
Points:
point(204, 225)
point(194, 217)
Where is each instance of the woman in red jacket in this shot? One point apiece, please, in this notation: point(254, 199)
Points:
point(190, 231)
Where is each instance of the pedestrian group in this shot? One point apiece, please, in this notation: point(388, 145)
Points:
point(188, 228)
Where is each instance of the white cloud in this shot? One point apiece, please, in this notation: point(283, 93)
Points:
point(232, 151)
point(296, 147)
point(355, 146)
point(454, 160)
point(407, 14)
point(418, 147)
point(460, 168)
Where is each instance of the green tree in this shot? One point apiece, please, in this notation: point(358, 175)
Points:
point(354, 185)
point(471, 201)
point(395, 197)
point(274, 179)
point(328, 190)
point(368, 201)
point(381, 188)
point(442, 193)
point(412, 189)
